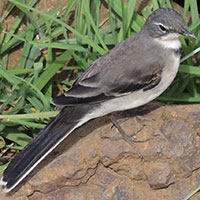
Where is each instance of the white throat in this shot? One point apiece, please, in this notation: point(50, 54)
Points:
point(171, 41)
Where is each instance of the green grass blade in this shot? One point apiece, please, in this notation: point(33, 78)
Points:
point(91, 43)
point(52, 69)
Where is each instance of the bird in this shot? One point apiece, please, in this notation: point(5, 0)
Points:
point(131, 74)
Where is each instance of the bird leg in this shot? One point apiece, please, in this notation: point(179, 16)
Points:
point(126, 137)
point(129, 138)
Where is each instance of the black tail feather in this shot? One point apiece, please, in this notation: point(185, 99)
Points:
point(54, 133)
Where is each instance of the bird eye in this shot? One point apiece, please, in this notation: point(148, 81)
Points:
point(162, 28)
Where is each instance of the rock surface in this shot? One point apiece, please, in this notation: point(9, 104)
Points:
point(96, 163)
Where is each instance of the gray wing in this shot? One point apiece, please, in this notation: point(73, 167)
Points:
point(114, 74)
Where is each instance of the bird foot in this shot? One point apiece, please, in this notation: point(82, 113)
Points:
point(129, 138)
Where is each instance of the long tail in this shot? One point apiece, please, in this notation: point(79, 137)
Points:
point(53, 134)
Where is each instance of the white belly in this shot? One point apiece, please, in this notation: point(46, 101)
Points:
point(140, 97)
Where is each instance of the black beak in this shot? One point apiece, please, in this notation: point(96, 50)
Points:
point(185, 32)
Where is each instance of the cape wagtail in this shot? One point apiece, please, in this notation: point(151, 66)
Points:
point(132, 74)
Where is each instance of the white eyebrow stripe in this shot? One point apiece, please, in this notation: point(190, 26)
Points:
point(158, 23)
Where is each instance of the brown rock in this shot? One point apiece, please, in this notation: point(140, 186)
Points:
point(158, 174)
point(96, 163)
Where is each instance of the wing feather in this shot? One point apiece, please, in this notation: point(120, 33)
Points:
point(114, 74)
